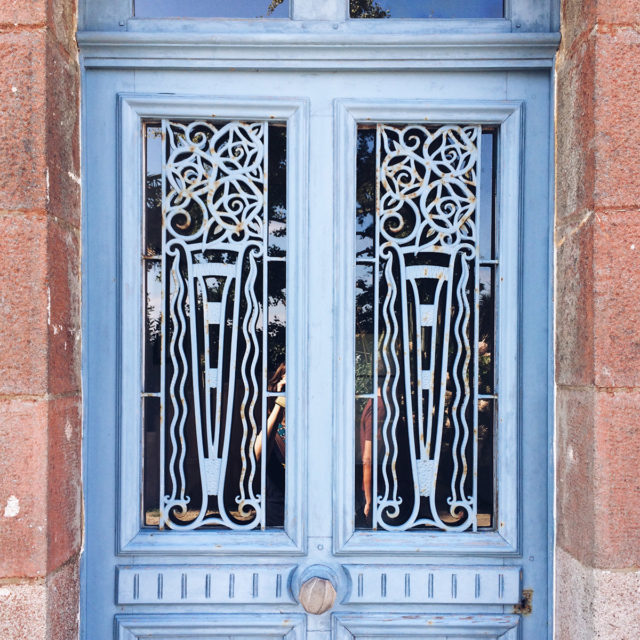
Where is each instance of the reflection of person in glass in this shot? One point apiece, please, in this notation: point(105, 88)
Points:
point(276, 436)
point(366, 448)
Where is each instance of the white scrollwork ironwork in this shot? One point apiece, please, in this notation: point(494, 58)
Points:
point(214, 181)
point(426, 274)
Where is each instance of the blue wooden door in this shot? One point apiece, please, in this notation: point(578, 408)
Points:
point(316, 306)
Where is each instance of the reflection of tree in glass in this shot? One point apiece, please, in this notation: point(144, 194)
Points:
point(277, 176)
point(153, 203)
point(365, 192)
point(273, 5)
point(364, 332)
point(153, 213)
point(277, 315)
point(153, 192)
point(365, 230)
point(152, 315)
point(367, 9)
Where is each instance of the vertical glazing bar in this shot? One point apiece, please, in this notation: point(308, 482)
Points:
point(376, 297)
point(265, 328)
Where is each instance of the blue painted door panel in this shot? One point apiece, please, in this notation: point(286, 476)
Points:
point(141, 583)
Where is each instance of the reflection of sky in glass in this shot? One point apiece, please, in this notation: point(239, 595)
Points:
point(364, 285)
point(364, 240)
point(154, 150)
point(443, 8)
point(485, 281)
point(154, 289)
point(485, 203)
point(278, 313)
point(209, 9)
point(277, 238)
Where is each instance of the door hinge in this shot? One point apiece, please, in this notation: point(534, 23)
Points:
point(525, 607)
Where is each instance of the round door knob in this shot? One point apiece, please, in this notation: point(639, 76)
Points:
point(317, 595)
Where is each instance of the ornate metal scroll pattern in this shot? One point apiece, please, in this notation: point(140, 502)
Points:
point(426, 257)
point(214, 209)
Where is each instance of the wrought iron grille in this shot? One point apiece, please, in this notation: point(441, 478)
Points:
point(222, 289)
point(418, 314)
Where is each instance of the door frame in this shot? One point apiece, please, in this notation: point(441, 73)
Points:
point(320, 48)
point(508, 117)
point(132, 110)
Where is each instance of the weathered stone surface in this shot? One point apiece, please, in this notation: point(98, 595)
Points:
point(577, 20)
point(598, 314)
point(18, 13)
point(595, 604)
point(22, 120)
point(574, 473)
point(61, 21)
point(616, 298)
point(23, 487)
point(598, 488)
point(42, 608)
point(23, 611)
point(575, 346)
point(598, 291)
point(63, 320)
point(616, 480)
point(25, 302)
point(63, 604)
point(575, 168)
point(64, 495)
point(617, 105)
point(63, 134)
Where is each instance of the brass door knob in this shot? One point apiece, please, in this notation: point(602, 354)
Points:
point(317, 595)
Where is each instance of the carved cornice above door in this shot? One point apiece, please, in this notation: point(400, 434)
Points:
point(323, 48)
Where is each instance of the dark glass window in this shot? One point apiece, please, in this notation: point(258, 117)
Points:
point(425, 321)
point(214, 257)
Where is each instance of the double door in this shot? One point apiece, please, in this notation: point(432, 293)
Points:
point(316, 354)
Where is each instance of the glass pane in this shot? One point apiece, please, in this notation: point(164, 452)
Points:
point(486, 205)
point(152, 326)
point(486, 328)
point(426, 8)
point(211, 9)
point(277, 190)
point(215, 328)
point(486, 454)
point(364, 329)
point(151, 468)
point(417, 354)
point(365, 192)
point(153, 191)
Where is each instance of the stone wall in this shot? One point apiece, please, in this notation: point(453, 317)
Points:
point(598, 328)
point(40, 403)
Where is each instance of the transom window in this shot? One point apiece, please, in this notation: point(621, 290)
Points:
point(426, 8)
point(211, 9)
point(359, 9)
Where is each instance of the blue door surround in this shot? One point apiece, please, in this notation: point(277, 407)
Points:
point(323, 76)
